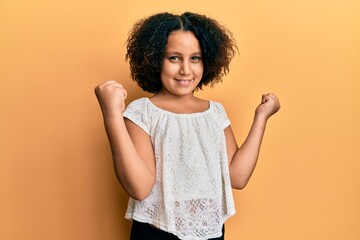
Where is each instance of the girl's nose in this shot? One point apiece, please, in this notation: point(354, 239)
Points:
point(185, 68)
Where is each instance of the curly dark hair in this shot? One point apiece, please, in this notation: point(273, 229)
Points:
point(148, 38)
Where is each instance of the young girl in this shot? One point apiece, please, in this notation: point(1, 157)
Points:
point(175, 154)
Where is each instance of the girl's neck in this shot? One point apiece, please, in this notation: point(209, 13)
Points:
point(179, 104)
point(164, 96)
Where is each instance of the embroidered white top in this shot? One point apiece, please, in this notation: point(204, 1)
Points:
point(192, 196)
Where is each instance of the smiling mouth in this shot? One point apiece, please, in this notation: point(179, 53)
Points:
point(184, 81)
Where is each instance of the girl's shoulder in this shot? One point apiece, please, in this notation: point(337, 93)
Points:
point(138, 103)
point(218, 106)
point(136, 107)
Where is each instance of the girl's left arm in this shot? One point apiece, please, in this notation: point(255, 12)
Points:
point(242, 161)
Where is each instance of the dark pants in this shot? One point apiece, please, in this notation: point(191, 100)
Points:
point(144, 231)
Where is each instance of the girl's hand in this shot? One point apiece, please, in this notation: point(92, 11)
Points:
point(111, 96)
point(269, 105)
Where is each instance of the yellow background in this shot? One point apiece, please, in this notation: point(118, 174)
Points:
point(56, 175)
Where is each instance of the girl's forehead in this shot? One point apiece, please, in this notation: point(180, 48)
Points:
point(181, 39)
point(181, 33)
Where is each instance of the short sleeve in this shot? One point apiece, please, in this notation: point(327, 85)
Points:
point(223, 118)
point(137, 112)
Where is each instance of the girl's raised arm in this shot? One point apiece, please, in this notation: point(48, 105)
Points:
point(131, 147)
point(242, 161)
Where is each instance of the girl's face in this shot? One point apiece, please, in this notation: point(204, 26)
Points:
point(183, 66)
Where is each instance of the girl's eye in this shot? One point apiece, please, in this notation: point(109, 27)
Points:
point(178, 58)
point(195, 58)
point(174, 58)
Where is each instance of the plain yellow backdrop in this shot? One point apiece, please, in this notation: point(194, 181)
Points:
point(56, 175)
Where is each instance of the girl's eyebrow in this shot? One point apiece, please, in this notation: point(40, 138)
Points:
point(177, 53)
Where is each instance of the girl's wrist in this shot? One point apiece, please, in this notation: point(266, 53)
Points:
point(112, 113)
point(113, 116)
point(261, 118)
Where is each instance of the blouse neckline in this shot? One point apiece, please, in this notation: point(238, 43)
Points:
point(180, 114)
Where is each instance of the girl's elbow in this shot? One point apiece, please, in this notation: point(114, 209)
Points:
point(239, 186)
point(140, 193)
point(138, 190)
point(139, 196)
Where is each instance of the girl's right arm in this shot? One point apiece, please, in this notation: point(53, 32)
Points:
point(131, 147)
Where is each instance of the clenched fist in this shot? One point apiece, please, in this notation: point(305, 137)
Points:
point(269, 105)
point(111, 96)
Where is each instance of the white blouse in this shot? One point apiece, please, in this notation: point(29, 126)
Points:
point(192, 196)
